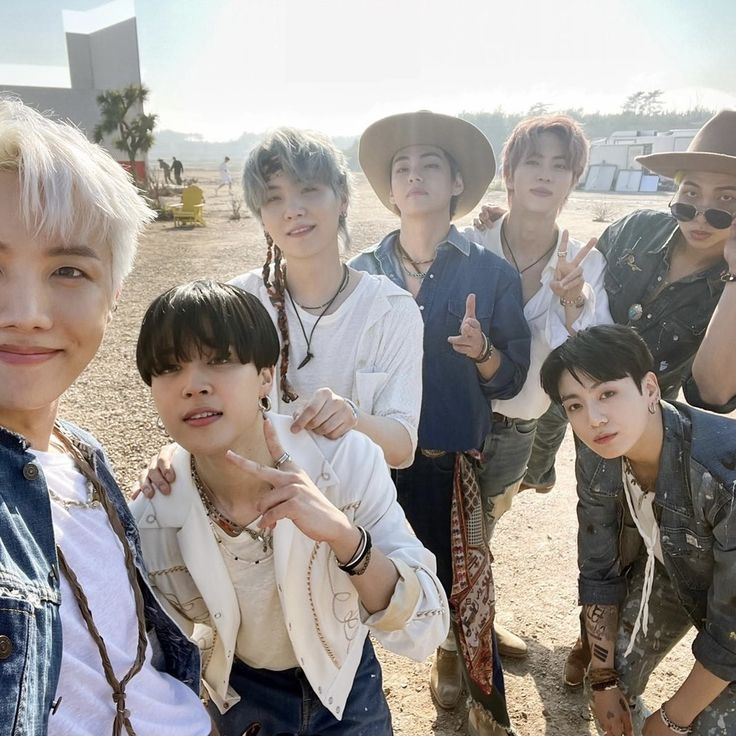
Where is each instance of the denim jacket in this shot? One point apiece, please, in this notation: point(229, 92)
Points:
point(30, 626)
point(638, 249)
point(695, 507)
point(456, 414)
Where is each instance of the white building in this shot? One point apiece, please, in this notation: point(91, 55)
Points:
point(102, 48)
point(612, 165)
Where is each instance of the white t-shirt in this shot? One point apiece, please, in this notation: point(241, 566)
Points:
point(159, 704)
point(252, 573)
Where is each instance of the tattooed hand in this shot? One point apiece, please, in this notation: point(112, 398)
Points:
point(611, 711)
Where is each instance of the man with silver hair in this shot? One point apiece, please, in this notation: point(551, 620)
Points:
point(78, 623)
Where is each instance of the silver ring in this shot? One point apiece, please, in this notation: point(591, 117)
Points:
point(562, 253)
point(285, 458)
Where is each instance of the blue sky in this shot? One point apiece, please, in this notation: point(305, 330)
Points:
point(336, 65)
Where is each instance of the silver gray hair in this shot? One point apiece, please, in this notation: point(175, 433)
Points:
point(71, 188)
point(301, 155)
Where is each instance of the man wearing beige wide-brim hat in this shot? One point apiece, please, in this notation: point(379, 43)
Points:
point(428, 169)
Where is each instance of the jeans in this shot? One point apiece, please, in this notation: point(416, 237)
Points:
point(668, 622)
point(285, 705)
point(551, 428)
point(506, 453)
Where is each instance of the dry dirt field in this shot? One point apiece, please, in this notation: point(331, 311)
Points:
point(534, 546)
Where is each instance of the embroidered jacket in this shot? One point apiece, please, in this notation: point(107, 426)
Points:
point(326, 624)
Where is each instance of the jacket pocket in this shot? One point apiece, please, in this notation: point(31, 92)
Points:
point(16, 622)
point(691, 554)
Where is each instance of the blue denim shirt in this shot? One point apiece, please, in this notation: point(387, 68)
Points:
point(695, 507)
point(456, 414)
point(30, 626)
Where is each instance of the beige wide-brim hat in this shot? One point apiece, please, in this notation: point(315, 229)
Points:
point(713, 150)
point(466, 144)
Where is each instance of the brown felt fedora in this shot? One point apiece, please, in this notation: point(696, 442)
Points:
point(466, 144)
point(713, 150)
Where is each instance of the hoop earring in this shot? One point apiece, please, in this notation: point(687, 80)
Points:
point(264, 404)
point(653, 407)
point(160, 426)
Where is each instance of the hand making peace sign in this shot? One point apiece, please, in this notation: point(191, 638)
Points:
point(569, 279)
point(470, 341)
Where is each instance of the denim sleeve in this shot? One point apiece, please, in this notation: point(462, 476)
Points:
point(510, 335)
point(693, 397)
point(601, 578)
point(715, 645)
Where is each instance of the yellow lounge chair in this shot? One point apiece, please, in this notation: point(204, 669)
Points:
point(191, 209)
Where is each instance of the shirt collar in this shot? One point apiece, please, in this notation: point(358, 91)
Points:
point(454, 238)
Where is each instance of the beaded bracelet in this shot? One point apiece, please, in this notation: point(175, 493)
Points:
point(487, 351)
point(674, 727)
point(358, 563)
point(577, 302)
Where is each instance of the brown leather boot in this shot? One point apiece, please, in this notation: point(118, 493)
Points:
point(446, 678)
point(576, 664)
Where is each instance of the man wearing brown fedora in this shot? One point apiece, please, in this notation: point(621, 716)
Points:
point(430, 169)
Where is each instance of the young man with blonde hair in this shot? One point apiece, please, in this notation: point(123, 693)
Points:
point(84, 646)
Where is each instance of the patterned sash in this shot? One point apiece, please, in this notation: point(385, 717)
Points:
point(473, 594)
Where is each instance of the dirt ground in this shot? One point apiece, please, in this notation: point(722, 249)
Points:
point(534, 545)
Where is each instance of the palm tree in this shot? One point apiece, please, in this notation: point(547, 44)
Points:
point(134, 133)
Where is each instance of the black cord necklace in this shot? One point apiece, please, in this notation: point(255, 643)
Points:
point(327, 305)
point(507, 245)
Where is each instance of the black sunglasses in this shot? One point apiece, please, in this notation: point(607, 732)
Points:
point(719, 219)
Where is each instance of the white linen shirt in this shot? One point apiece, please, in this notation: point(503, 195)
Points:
point(326, 623)
point(546, 317)
point(377, 363)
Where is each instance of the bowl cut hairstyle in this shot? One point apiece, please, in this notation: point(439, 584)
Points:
point(205, 318)
point(603, 352)
point(71, 189)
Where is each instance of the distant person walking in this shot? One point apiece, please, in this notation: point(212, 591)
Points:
point(178, 168)
point(166, 169)
point(225, 178)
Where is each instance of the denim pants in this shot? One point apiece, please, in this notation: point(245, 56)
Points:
point(550, 432)
point(506, 452)
point(285, 705)
point(668, 622)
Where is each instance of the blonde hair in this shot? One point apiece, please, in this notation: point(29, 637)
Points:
point(71, 188)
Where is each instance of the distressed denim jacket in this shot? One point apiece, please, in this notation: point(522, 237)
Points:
point(456, 414)
point(695, 507)
point(30, 626)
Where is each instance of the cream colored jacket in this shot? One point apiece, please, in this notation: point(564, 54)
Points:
point(326, 623)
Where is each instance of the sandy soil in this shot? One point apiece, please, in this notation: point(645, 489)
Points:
point(534, 545)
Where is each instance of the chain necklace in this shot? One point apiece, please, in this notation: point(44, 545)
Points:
point(92, 501)
point(404, 257)
point(326, 305)
point(227, 525)
point(507, 245)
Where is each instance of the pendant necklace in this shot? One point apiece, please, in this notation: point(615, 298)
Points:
point(230, 527)
point(326, 306)
point(507, 245)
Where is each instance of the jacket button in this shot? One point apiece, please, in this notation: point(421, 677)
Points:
point(30, 471)
point(6, 647)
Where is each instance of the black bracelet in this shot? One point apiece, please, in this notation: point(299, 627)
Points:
point(487, 351)
point(362, 555)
